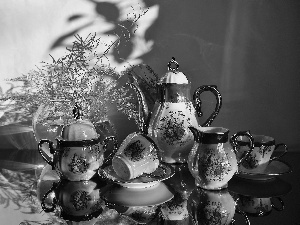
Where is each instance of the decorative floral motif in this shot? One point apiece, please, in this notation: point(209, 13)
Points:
point(80, 200)
point(214, 214)
point(78, 164)
point(173, 128)
point(97, 206)
point(135, 151)
point(213, 165)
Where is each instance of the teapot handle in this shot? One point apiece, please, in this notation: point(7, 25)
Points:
point(196, 98)
point(234, 143)
point(54, 200)
point(44, 156)
point(105, 145)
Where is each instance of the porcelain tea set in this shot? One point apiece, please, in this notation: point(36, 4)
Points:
point(170, 134)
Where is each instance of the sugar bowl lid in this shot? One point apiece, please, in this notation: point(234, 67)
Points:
point(174, 75)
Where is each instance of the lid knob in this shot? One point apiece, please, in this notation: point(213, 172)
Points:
point(173, 65)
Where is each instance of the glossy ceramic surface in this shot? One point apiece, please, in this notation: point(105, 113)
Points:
point(211, 207)
point(261, 155)
point(137, 155)
point(77, 200)
point(163, 172)
point(133, 197)
point(76, 160)
point(212, 160)
point(273, 169)
point(173, 113)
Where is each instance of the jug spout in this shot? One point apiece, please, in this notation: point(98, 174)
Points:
point(196, 133)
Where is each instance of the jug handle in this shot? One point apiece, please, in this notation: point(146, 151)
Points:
point(115, 149)
point(44, 156)
point(54, 200)
point(144, 114)
point(197, 100)
point(234, 143)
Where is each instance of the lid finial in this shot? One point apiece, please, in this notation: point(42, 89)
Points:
point(172, 67)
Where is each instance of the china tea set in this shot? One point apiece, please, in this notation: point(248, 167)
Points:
point(171, 134)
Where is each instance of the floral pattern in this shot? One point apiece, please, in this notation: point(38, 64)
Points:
point(135, 151)
point(80, 199)
point(78, 164)
point(214, 213)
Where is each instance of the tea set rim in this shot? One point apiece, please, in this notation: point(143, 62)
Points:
point(267, 175)
point(136, 183)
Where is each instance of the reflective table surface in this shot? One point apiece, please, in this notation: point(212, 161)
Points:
point(26, 181)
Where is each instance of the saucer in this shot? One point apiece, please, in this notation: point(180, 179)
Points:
point(163, 172)
point(136, 197)
point(275, 168)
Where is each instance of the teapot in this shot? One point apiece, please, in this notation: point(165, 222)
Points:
point(212, 160)
point(173, 113)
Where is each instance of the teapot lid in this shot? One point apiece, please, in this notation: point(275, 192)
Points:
point(174, 75)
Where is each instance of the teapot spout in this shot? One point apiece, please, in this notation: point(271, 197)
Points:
point(196, 133)
point(144, 114)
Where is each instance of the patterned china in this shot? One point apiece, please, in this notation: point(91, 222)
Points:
point(137, 155)
point(258, 160)
point(212, 207)
point(77, 200)
point(212, 160)
point(173, 113)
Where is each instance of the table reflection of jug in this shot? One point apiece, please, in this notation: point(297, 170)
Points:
point(173, 113)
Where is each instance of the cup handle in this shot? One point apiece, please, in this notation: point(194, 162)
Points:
point(197, 100)
point(54, 201)
point(233, 141)
point(281, 207)
point(44, 156)
point(285, 151)
point(105, 144)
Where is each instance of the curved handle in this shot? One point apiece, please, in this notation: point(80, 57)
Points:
point(285, 151)
point(281, 204)
point(44, 156)
point(54, 200)
point(196, 97)
point(234, 143)
point(105, 144)
point(144, 114)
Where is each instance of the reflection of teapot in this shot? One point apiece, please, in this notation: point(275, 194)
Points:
point(173, 113)
point(77, 200)
point(212, 207)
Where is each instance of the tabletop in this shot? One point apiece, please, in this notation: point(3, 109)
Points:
point(25, 179)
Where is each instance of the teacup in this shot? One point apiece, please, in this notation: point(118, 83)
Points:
point(254, 206)
point(258, 160)
point(77, 200)
point(137, 155)
point(77, 160)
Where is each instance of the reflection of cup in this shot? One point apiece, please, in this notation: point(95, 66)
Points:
point(259, 158)
point(136, 155)
point(254, 206)
point(78, 200)
point(76, 160)
point(140, 214)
